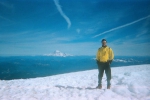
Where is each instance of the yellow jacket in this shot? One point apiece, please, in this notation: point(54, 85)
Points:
point(104, 54)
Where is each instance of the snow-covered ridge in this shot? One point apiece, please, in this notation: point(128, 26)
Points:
point(125, 60)
point(58, 53)
point(122, 60)
point(128, 83)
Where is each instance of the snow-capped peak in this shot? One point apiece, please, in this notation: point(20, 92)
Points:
point(58, 53)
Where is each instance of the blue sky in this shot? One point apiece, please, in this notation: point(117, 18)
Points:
point(37, 27)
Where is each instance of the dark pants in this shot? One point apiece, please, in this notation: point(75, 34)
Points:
point(101, 67)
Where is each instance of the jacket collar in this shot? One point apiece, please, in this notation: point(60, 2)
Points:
point(104, 46)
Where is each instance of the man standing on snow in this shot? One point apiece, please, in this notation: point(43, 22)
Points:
point(104, 58)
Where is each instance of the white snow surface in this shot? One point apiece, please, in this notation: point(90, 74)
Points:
point(128, 83)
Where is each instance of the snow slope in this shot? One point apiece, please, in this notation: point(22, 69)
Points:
point(128, 83)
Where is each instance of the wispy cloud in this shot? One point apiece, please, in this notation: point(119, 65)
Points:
point(78, 30)
point(144, 30)
point(62, 13)
point(7, 5)
point(1, 17)
point(137, 46)
point(113, 29)
point(142, 33)
point(132, 39)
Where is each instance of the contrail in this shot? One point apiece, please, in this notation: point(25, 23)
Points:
point(122, 26)
point(62, 13)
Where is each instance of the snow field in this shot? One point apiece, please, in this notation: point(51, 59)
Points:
point(128, 83)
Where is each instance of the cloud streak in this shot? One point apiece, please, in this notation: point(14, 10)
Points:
point(122, 26)
point(1, 17)
point(62, 13)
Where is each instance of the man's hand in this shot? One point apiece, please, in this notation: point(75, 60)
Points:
point(109, 61)
point(97, 61)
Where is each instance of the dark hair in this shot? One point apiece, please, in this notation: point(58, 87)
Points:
point(104, 40)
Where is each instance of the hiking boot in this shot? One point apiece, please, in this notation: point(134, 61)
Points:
point(99, 86)
point(108, 86)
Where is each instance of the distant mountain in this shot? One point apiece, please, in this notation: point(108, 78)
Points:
point(58, 53)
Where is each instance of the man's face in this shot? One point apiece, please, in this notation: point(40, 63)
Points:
point(104, 43)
